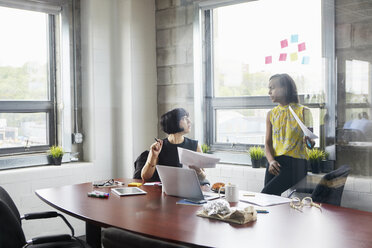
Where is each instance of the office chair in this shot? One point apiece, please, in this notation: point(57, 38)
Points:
point(118, 238)
point(13, 236)
point(328, 190)
point(141, 161)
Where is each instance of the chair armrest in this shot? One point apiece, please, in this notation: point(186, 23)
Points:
point(40, 215)
point(48, 239)
point(46, 215)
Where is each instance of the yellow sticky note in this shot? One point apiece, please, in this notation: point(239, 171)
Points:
point(133, 184)
point(294, 56)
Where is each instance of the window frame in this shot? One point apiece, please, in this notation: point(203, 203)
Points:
point(61, 76)
point(203, 58)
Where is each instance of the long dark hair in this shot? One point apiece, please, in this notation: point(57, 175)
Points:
point(290, 89)
point(170, 121)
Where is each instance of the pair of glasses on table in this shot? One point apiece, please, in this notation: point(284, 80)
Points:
point(298, 204)
point(108, 183)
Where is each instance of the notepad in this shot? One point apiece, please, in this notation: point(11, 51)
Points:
point(191, 203)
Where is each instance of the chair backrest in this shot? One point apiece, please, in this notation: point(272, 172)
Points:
point(11, 233)
point(117, 238)
point(331, 186)
point(139, 163)
point(8, 200)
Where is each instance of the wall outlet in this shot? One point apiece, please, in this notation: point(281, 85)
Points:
point(77, 138)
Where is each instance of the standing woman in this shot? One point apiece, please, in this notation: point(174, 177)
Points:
point(285, 144)
point(176, 123)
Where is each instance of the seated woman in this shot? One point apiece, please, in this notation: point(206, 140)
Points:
point(176, 123)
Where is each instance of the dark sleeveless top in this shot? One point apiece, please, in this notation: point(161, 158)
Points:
point(169, 154)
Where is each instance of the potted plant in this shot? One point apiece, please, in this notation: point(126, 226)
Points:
point(56, 154)
point(315, 157)
point(326, 165)
point(205, 148)
point(257, 156)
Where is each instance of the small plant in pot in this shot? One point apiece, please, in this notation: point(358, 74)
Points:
point(56, 154)
point(257, 156)
point(326, 165)
point(205, 148)
point(315, 157)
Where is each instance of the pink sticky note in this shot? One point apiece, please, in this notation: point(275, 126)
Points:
point(301, 47)
point(268, 60)
point(284, 43)
point(283, 57)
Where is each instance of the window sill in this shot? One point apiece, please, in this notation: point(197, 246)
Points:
point(45, 172)
point(28, 160)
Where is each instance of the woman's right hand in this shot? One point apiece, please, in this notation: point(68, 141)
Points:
point(156, 148)
point(274, 167)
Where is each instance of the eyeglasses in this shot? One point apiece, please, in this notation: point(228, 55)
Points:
point(107, 183)
point(298, 204)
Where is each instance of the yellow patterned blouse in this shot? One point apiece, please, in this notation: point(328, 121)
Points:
point(287, 135)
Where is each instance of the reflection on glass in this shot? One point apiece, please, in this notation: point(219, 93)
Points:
point(245, 126)
point(358, 126)
point(357, 85)
point(249, 47)
point(23, 130)
point(248, 126)
point(23, 55)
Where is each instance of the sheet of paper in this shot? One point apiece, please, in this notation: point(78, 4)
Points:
point(197, 159)
point(261, 199)
point(306, 131)
point(152, 184)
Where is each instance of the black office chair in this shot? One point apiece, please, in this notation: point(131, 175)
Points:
point(118, 238)
point(141, 161)
point(328, 190)
point(12, 235)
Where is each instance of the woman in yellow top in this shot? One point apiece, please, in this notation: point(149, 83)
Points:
point(285, 143)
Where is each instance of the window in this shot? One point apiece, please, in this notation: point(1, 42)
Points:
point(244, 44)
point(34, 72)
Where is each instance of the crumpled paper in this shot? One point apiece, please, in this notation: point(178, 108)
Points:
point(220, 210)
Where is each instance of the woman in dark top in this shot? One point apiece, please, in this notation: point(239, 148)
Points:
point(176, 123)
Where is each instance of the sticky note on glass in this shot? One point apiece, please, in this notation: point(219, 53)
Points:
point(294, 38)
point(284, 43)
point(268, 60)
point(294, 56)
point(305, 60)
point(283, 57)
point(301, 47)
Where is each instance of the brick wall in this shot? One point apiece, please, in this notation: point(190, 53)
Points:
point(174, 50)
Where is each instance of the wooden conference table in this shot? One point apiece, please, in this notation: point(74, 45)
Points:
point(157, 215)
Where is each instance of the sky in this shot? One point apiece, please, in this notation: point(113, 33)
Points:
point(23, 37)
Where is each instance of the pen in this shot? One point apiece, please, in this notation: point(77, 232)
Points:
point(156, 140)
point(262, 211)
point(248, 195)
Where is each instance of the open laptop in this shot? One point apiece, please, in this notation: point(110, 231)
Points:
point(182, 183)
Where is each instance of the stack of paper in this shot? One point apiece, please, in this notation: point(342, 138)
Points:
point(261, 199)
point(197, 159)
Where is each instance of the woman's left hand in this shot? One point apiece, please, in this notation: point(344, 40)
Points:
point(307, 139)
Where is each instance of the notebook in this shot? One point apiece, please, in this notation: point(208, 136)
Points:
point(182, 183)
